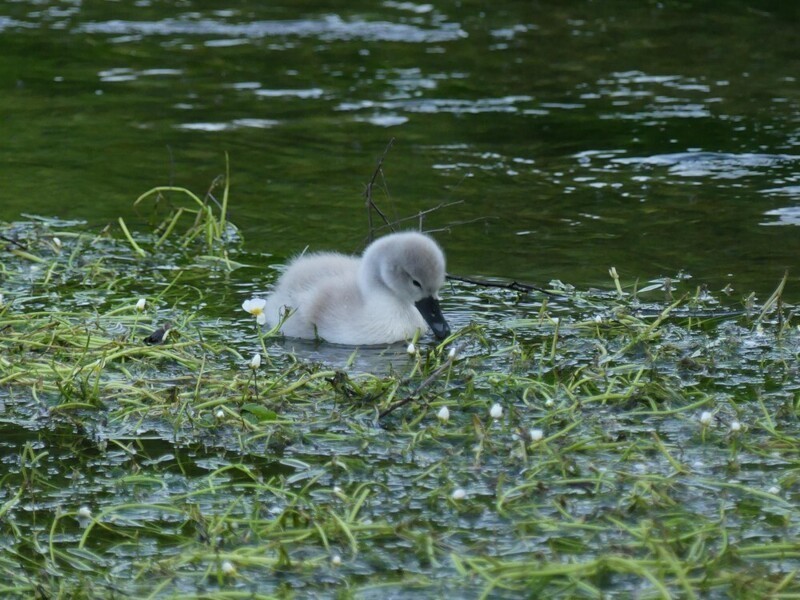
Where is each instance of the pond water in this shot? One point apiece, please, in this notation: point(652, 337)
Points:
point(634, 455)
point(660, 138)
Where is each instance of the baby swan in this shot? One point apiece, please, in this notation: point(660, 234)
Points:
point(384, 296)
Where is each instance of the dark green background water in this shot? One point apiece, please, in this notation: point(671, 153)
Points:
point(656, 137)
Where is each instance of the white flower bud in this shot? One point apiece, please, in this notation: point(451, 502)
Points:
point(227, 567)
point(496, 411)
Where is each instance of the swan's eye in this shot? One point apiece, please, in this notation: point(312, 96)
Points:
point(416, 283)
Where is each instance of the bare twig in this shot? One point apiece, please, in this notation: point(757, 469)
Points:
point(513, 285)
point(13, 242)
point(431, 378)
point(418, 215)
point(447, 227)
point(370, 204)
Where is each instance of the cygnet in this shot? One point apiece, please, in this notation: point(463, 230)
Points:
point(384, 296)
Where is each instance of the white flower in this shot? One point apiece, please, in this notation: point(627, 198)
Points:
point(443, 414)
point(336, 560)
point(338, 491)
point(57, 243)
point(255, 307)
point(84, 512)
point(496, 411)
point(255, 362)
point(736, 427)
point(774, 490)
point(459, 494)
point(452, 352)
point(537, 435)
point(706, 418)
point(140, 303)
point(1, 300)
point(227, 567)
point(220, 414)
point(549, 403)
point(412, 349)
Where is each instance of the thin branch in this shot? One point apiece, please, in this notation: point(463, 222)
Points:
point(455, 223)
point(514, 285)
point(431, 378)
point(14, 242)
point(370, 204)
point(419, 215)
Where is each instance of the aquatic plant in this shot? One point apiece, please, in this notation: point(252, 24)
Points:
point(562, 444)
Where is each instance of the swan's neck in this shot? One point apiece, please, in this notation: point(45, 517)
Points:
point(370, 278)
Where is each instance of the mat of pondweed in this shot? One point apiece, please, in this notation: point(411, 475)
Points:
point(643, 444)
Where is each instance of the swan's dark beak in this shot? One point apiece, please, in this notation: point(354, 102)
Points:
point(432, 313)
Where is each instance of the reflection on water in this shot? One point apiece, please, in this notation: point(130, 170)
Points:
point(789, 215)
point(327, 28)
point(378, 360)
point(714, 165)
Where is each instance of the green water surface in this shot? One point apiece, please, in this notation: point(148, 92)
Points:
point(660, 138)
point(640, 452)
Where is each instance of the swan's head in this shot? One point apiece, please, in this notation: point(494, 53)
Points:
point(411, 265)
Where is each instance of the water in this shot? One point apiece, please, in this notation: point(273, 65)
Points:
point(661, 139)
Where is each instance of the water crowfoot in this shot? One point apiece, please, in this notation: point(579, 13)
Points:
point(84, 516)
point(582, 439)
point(256, 306)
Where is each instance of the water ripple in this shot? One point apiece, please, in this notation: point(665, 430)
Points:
point(717, 165)
point(439, 105)
point(331, 27)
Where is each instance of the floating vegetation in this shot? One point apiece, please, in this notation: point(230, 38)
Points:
point(156, 442)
